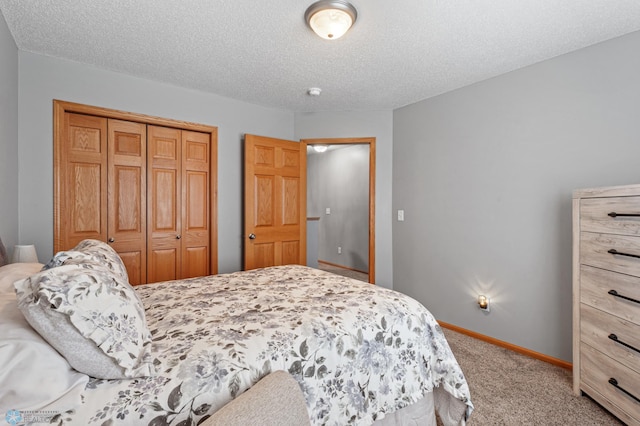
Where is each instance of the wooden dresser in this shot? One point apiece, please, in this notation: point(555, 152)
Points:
point(606, 298)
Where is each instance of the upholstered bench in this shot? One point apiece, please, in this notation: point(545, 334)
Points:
point(276, 400)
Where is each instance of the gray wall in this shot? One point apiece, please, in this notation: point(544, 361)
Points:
point(339, 179)
point(485, 175)
point(43, 79)
point(8, 138)
point(378, 124)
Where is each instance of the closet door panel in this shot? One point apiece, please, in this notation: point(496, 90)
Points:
point(163, 264)
point(85, 185)
point(195, 262)
point(164, 216)
point(127, 230)
point(164, 203)
point(81, 181)
point(195, 204)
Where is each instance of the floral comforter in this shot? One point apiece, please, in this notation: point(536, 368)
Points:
point(358, 351)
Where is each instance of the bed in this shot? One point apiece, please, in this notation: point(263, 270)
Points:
point(181, 350)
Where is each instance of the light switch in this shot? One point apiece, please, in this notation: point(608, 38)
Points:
point(400, 215)
point(327, 211)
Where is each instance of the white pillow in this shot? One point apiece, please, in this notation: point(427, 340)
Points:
point(16, 271)
point(91, 317)
point(33, 375)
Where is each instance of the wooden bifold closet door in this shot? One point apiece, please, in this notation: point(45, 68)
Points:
point(178, 162)
point(146, 189)
point(126, 195)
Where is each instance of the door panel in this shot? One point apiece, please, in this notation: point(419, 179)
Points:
point(164, 204)
point(86, 185)
point(275, 202)
point(165, 190)
point(264, 205)
point(290, 252)
point(127, 229)
point(196, 187)
point(263, 255)
point(81, 186)
point(195, 261)
point(163, 263)
point(290, 201)
point(291, 161)
point(195, 204)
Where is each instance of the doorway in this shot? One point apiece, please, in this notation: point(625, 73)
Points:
point(370, 220)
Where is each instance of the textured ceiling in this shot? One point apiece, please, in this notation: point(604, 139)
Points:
point(398, 52)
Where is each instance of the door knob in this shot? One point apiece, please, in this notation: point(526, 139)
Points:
point(252, 236)
point(178, 237)
point(111, 239)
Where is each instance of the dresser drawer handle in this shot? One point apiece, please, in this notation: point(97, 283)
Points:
point(619, 253)
point(615, 339)
point(615, 293)
point(614, 214)
point(613, 382)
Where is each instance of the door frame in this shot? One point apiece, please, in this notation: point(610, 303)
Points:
point(371, 141)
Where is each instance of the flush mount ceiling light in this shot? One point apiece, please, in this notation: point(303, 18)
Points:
point(320, 148)
point(330, 19)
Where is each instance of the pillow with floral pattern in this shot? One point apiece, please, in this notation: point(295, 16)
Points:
point(89, 253)
point(91, 317)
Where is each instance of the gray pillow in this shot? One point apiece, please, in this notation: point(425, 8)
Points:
point(91, 317)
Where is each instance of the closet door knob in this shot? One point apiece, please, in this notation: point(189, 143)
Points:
point(111, 239)
point(178, 237)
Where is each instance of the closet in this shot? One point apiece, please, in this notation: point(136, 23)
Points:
point(143, 184)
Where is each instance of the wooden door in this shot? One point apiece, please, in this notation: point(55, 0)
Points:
point(164, 148)
point(274, 202)
point(80, 181)
point(196, 199)
point(127, 200)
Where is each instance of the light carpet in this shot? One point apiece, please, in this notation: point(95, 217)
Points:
point(508, 388)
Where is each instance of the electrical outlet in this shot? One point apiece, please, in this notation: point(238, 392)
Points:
point(400, 215)
point(327, 210)
point(339, 250)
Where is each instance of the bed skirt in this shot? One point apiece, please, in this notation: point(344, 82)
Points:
point(423, 412)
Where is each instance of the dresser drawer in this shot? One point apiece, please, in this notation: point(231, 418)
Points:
point(596, 284)
point(599, 330)
point(594, 251)
point(595, 371)
point(594, 215)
